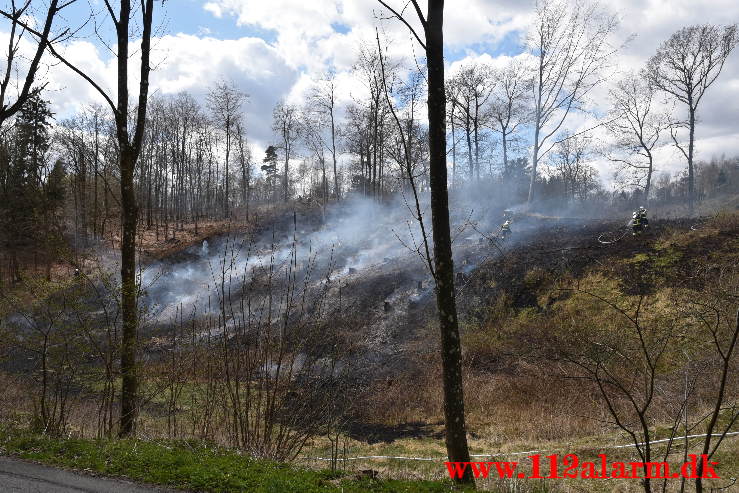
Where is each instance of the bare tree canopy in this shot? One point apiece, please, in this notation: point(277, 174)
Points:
point(570, 43)
point(225, 102)
point(510, 109)
point(471, 90)
point(323, 97)
point(636, 124)
point(20, 31)
point(684, 67)
point(285, 123)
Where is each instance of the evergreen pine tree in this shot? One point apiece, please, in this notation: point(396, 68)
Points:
point(26, 210)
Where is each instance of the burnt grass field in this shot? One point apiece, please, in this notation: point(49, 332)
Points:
point(383, 334)
point(508, 301)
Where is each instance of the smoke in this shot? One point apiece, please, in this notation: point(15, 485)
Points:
point(360, 262)
point(355, 235)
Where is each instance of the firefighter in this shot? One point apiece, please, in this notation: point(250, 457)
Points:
point(639, 221)
point(505, 229)
point(643, 217)
point(636, 224)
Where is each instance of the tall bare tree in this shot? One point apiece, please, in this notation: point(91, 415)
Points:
point(509, 110)
point(245, 163)
point(570, 45)
point(129, 148)
point(225, 102)
point(473, 86)
point(129, 153)
point(685, 66)
point(636, 124)
point(324, 98)
point(451, 349)
point(451, 91)
point(570, 159)
point(285, 124)
point(312, 131)
point(376, 111)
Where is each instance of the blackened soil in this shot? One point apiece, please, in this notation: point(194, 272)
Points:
point(554, 251)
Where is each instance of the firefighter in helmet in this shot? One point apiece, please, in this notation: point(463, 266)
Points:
point(639, 221)
point(505, 229)
point(643, 215)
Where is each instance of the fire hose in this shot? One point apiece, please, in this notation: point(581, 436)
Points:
point(610, 242)
point(606, 242)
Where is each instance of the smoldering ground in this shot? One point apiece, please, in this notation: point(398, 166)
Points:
point(347, 290)
point(359, 255)
point(354, 238)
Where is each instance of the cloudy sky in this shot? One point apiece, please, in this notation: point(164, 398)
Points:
point(273, 49)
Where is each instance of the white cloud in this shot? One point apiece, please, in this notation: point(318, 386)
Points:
point(305, 38)
point(653, 22)
point(183, 63)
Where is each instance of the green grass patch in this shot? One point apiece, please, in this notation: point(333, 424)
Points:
point(194, 466)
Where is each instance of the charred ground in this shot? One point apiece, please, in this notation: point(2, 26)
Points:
point(511, 303)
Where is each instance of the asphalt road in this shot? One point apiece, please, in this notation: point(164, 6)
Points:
point(17, 476)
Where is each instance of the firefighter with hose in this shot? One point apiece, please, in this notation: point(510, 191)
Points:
point(639, 221)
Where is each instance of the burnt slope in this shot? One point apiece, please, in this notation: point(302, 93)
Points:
point(667, 254)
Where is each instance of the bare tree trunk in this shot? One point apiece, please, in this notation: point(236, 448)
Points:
point(361, 165)
point(129, 153)
point(537, 128)
point(505, 153)
point(454, 149)
point(149, 187)
point(477, 145)
point(374, 151)
point(127, 164)
point(226, 212)
point(691, 147)
point(287, 165)
point(648, 185)
point(95, 178)
point(468, 132)
point(451, 353)
point(128, 296)
point(333, 151)
point(82, 191)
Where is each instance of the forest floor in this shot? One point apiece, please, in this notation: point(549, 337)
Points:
point(157, 243)
point(154, 245)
